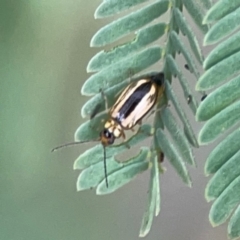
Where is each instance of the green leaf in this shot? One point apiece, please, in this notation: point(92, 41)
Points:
point(94, 174)
point(220, 123)
point(220, 9)
point(123, 26)
point(111, 7)
point(178, 137)
point(225, 203)
point(174, 158)
point(123, 176)
point(152, 196)
point(186, 124)
point(223, 152)
point(95, 154)
point(219, 99)
point(118, 72)
point(223, 50)
point(223, 177)
point(219, 72)
point(196, 13)
point(223, 27)
point(143, 37)
point(89, 130)
point(175, 70)
point(234, 225)
point(186, 30)
point(98, 100)
point(180, 46)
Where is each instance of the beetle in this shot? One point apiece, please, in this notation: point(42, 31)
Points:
point(135, 102)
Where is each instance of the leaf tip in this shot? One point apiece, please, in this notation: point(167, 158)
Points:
point(78, 184)
point(206, 19)
point(197, 87)
point(143, 234)
point(207, 196)
point(75, 165)
point(201, 139)
point(189, 184)
point(207, 172)
point(79, 188)
point(212, 222)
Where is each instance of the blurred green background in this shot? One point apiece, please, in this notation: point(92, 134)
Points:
point(44, 46)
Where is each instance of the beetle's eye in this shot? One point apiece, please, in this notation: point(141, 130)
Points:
point(106, 133)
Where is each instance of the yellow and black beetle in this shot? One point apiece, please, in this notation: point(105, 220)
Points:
point(135, 101)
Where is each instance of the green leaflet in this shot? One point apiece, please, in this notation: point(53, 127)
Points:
point(186, 30)
point(95, 154)
point(223, 177)
point(218, 124)
point(125, 25)
point(111, 7)
point(173, 157)
point(219, 99)
point(124, 175)
point(175, 70)
point(118, 72)
point(180, 46)
point(153, 195)
point(143, 37)
point(223, 27)
point(220, 9)
point(94, 174)
point(223, 50)
point(225, 203)
point(98, 100)
point(196, 13)
point(89, 130)
point(186, 124)
point(234, 225)
point(178, 137)
point(219, 72)
point(223, 152)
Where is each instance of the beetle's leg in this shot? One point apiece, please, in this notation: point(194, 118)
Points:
point(140, 122)
point(105, 99)
point(95, 111)
point(161, 169)
point(158, 110)
point(132, 129)
point(98, 106)
point(124, 137)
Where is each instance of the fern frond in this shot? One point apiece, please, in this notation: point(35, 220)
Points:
point(112, 69)
point(221, 111)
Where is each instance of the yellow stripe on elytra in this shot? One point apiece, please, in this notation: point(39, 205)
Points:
point(141, 109)
point(125, 96)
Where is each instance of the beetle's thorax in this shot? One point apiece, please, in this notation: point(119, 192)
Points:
point(111, 131)
point(113, 127)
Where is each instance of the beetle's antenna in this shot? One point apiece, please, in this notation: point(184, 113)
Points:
point(105, 165)
point(71, 144)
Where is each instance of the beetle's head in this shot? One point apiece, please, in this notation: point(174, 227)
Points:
point(107, 137)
